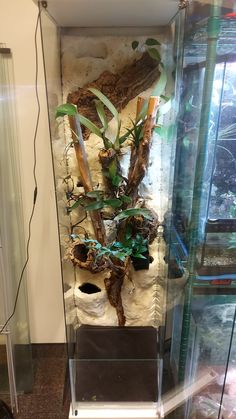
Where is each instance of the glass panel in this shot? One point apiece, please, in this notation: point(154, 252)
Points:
point(202, 267)
point(12, 229)
point(92, 175)
point(228, 381)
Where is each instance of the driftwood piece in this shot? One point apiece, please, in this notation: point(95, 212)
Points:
point(139, 166)
point(98, 225)
point(119, 88)
point(107, 158)
point(85, 258)
point(113, 286)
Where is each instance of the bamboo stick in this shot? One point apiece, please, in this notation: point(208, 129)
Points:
point(77, 138)
point(139, 105)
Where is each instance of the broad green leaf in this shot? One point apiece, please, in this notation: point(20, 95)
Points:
point(112, 168)
point(161, 84)
point(116, 144)
point(105, 101)
point(95, 194)
point(94, 206)
point(66, 109)
point(139, 256)
point(164, 109)
point(101, 113)
point(135, 45)
point(75, 205)
point(117, 245)
point(154, 54)
point(152, 41)
point(90, 125)
point(92, 243)
point(165, 98)
point(126, 199)
point(114, 203)
point(107, 143)
point(128, 232)
point(134, 212)
point(143, 249)
point(124, 137)
point(116, 180)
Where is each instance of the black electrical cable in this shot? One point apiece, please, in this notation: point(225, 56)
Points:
point(34, 175)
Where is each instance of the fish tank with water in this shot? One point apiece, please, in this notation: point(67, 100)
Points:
point(124, 117)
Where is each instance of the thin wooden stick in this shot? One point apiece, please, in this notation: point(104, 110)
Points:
point(98, 225)
point(140, 103)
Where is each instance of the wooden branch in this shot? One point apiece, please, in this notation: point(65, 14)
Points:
point(113, 286)
point(106, 158)
point(119, 88)
point(98, 225)
point(139, 166)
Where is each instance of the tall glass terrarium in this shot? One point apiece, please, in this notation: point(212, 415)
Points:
point(110, 89)
point(116, 77)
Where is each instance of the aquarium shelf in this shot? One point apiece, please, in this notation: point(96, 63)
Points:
point(90, 13)
point(196, 40)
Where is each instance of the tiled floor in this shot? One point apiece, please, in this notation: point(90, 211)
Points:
point(46, 399)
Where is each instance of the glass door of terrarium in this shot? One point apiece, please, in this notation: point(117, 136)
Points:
point(109, 93)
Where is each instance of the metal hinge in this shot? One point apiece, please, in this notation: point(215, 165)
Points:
point(183, 4)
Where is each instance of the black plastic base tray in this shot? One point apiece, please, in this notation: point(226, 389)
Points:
point(116, 364)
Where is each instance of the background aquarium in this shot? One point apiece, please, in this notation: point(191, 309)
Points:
point(202, 266)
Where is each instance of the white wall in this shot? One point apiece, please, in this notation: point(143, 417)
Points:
point(17, 26)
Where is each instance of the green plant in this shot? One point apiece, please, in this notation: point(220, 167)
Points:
point(131, 247)
point(114, 250)
point(150, 46)
point(67, 109)
point(134, 212)
point(94, 200)
point(137, 244)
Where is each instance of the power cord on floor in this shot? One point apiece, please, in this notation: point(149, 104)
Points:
point(34, 176)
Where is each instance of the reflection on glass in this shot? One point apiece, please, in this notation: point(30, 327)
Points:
point(12, 238)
